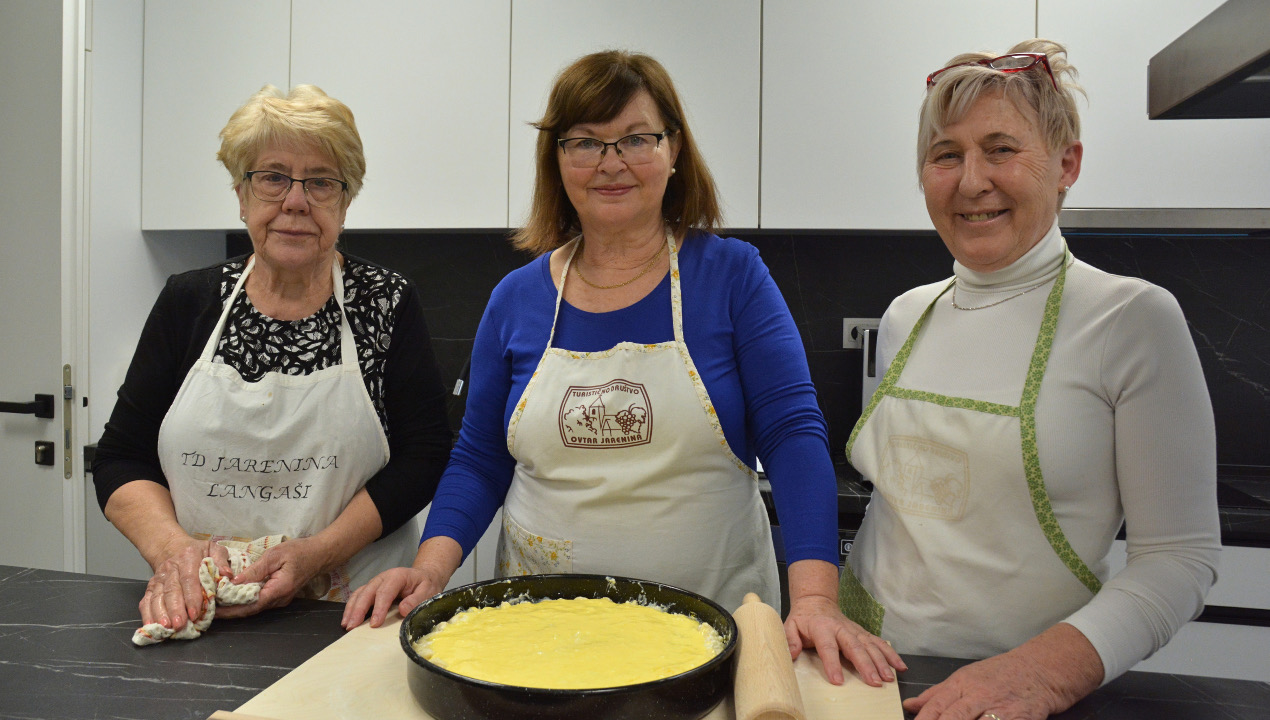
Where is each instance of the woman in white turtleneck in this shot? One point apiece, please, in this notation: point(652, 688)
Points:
point(1030, 405)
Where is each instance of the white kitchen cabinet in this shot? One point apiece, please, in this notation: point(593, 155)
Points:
point(427, 83)
point(1133, 162)
point(710, 49)
point(202, 61)
point(842, 84)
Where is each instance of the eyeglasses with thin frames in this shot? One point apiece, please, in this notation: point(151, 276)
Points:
point(1012, 63)
point(587, 152)
point(272, 186)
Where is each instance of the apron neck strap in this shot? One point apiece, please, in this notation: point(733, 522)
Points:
point(676, 293)
point(348, 350)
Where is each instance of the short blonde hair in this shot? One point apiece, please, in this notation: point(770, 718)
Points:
point(305, 117)
point(595, 89)
point(1053, 105)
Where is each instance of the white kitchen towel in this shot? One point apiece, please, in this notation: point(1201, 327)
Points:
point(216, 588)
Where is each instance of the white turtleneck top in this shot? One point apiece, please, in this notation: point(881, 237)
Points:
point(1124, 427)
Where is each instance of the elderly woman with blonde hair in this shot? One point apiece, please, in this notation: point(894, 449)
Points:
point(291, 391)
point(1030, 406)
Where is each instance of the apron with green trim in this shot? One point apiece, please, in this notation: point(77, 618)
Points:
point(959, 553)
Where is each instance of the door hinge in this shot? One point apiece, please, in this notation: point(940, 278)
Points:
point(68, 395)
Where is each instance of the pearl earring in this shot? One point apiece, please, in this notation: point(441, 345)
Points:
point(1065, 189)
point(674, 170)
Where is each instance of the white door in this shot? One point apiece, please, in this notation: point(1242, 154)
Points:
point(34, 498)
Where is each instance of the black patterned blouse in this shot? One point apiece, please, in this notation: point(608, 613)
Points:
point(254, 344)
point(394, 352)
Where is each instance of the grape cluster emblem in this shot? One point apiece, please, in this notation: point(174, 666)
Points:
point(615, 414)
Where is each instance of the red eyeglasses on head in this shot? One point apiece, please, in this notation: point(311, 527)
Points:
point(1012, 63)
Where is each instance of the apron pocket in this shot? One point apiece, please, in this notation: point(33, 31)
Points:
point(858, 604)
point(521, 552)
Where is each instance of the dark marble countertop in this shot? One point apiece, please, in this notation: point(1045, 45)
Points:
point(66, 652)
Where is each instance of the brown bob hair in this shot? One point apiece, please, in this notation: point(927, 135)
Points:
point(595, 89)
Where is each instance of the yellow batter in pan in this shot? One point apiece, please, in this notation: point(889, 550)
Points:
point(570, 644)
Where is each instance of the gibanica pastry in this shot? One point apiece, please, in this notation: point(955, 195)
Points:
point(575, 643)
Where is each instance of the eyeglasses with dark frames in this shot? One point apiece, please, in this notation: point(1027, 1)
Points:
point(272, 186)
point(1012, 63)
point(637, 149)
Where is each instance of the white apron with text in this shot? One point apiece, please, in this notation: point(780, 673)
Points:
point(622, 468)
point(959, 553)
point(280, 456)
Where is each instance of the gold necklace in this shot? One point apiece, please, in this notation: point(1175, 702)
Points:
point(577, 268)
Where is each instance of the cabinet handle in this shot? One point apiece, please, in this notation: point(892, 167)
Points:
point(41, 407)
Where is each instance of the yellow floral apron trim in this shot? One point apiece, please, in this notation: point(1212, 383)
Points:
point(712, 416)
point(531, 553)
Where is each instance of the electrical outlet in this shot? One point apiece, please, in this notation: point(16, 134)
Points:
point(853, 331)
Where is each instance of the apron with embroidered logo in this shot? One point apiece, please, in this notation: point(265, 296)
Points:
point(280, 456)
point(959, 553)
point(622, 468)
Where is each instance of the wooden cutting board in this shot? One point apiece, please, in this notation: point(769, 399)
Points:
point(362, 676)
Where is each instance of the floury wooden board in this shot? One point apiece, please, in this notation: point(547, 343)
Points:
point(362, 676)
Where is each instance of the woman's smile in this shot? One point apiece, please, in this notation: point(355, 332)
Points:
point(982, 216)
point(992, 183)
point(612, 190)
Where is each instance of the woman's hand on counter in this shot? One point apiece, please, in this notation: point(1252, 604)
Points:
point(174, 595)
point(283, 570)
point(436, 561)
point(1044, 676)
point(815, 621)
point(287, 568)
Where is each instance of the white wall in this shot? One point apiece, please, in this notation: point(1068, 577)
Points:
point(126, 269)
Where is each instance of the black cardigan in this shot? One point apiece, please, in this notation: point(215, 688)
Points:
point(174, 335)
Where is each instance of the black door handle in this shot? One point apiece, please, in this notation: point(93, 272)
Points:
point(41, 407)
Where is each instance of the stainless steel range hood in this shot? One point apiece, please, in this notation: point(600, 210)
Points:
point(1220, 68)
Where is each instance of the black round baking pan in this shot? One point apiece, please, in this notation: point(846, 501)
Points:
point(448, 696)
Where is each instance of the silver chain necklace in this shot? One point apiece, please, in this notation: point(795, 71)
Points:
point(991, 304)
point(1069, 263)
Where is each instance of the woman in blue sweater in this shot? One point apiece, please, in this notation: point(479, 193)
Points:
point(623, 383)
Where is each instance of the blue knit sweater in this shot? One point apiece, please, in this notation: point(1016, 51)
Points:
point(743, 342)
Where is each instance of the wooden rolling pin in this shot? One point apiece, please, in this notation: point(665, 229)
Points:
point(765, 687)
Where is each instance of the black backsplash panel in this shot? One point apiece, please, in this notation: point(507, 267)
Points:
point(1221, 280)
